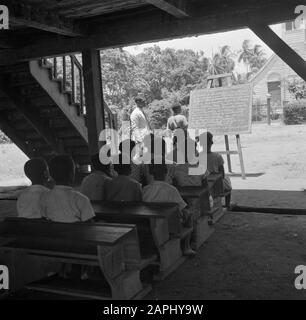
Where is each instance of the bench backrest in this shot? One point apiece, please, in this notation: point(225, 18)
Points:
point(83, 238)
point(141, 211)
point(215, 183)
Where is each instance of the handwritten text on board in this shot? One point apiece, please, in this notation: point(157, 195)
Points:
point(222, 111)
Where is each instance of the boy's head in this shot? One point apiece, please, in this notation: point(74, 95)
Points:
point(158, 171)
point(62, 170)
point(124, 166)
point(176, 108)
point(210, 141)
point(97, 165)
point(37, 171)
point(140, 101)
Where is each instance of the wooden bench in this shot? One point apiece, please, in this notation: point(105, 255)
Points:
point(215, 183)
point(159, 229)
point(197, 199)
point(35, 251)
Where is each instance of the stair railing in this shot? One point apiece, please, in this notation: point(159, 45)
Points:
point(69, 70)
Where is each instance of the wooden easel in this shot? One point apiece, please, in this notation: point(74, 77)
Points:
point(228, 152)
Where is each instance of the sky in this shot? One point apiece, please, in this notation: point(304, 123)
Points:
point(211, 43)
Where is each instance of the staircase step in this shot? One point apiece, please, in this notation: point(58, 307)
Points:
point(72, 142)
point(66, 133)
point(20, 67)
point(42, 101)
point(31, 135)
point(32, 92)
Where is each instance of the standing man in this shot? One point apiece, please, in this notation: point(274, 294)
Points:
point(177, 120)
point(140, 126)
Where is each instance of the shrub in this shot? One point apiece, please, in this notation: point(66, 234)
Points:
point(295, 112)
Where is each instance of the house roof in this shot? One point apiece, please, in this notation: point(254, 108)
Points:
point(264, 69)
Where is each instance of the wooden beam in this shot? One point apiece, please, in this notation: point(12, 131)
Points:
point(176, 8)
point(286, 53)
point(94, 97)
point(26, 15)
point(127, 30)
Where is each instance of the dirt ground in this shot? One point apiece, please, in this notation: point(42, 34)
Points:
point(249, 256)
point(274, 157)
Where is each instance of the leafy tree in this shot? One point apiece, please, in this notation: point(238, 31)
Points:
point(297, 88)
point(121, 77)
point(170, 69)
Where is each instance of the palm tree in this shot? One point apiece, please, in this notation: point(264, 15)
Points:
point(221, 62)
point(245, 54)
point(253, 58)
point(258, 58)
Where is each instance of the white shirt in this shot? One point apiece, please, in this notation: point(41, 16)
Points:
point(93, 186)
point(160, 191)
point(123, 188)
point(29, 202)
point(139, 125)
point(183, 178)
point(64, 204)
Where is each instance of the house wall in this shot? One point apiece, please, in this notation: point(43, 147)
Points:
point(277, 68)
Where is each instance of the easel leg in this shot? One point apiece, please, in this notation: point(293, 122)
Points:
point(229, 164)
point(240, 156)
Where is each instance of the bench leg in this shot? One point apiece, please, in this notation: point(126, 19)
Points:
point(124, 284)
point(25, 268)
point(202, 231)
point(170, 258)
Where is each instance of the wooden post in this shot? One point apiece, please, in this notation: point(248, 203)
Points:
point(240, 155)
point(269, 109)
point(228, 156)
point(94, 97)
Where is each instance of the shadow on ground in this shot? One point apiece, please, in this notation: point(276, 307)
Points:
point(270, 198)
point(250, 256)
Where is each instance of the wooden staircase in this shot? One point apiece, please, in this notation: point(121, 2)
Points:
point(43, 109)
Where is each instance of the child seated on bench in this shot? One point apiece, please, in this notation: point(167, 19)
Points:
point(123, 187)
point(215, 164)
point(93, 186)
point(160, 191)
point(63, 203)
point(29, 201)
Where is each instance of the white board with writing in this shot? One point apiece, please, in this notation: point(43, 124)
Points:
point(222, 110)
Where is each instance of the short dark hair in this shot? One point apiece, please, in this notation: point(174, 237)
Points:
point(176, 107)
point(35, 169)
point(62, 169)
point(209, 137)
point(140, 98)
point(98, 165)
point(123, 168)
point(158, 171)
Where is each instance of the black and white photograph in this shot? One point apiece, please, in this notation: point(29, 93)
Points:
point(152, 155)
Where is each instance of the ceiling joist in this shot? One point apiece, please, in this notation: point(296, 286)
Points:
point(31, 16)
point(176, 8)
